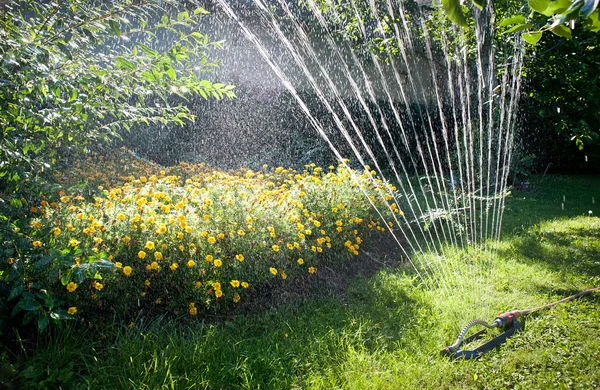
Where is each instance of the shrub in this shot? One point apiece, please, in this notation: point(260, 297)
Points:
point(163, 243)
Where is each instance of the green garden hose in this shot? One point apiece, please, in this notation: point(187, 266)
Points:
point(506, 321)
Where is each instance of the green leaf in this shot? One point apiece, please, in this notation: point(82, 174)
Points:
point(519, 27)
point(562, 31)
point(183, 16)
point(454, 12)
point(16, 291)
point(200, 11)
point(570, 13)
point(66, 278)
point(539, 6)
point(557, 7)
point(519, 19)
point(532, 38)
point(115, 28)
point(479, 3)
point(171, 73)
point(123, 63)
point(197, 36)
point(165, 19)
point(593, 21)
point(148, 50)
point(43, 322)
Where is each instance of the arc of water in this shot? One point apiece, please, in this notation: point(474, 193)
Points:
point(316, 124)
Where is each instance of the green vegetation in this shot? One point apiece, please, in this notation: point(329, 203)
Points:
point(381, 330)
point(67, 65)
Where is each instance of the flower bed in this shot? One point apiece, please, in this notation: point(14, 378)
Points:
point(189, 238)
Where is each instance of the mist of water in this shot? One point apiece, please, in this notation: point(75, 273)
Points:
point(446, 140)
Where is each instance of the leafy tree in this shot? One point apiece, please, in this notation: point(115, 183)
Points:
point(557, 16)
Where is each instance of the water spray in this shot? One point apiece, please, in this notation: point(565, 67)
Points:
point(507, 322)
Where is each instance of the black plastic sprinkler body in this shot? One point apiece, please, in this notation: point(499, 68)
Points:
point(507, 322)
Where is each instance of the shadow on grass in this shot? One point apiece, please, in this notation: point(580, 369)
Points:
point(253, 351)
point(563, 247)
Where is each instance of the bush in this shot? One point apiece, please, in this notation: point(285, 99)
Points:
point(188, 242)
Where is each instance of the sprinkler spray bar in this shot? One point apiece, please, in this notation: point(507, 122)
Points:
point(507, 322)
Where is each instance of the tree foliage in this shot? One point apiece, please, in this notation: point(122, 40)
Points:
point(75, 73)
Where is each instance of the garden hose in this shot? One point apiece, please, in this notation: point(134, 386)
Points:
point(507, 322)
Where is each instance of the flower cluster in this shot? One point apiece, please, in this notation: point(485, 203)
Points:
point(190, 237)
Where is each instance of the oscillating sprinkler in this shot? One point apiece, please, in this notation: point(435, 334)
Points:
point(507, 322)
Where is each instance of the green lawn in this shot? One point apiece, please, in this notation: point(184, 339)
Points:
point(378, 329)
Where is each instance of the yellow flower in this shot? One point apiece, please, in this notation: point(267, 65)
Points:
point(220, 236)
point(198, 284)
point(180, 235)
point(72, 286)
point(149, 245)
point(98, 286)
point(118, 264)
point(141, 254)
point(127, 270)
point(300, 261)
point(241, 232)
point(239, 257)
point(158, 255)
point(273, 270)
point(173, 266)
point(218, 263)
point(72, 310)
point(245, 284)
point(147, 283)
point(312, 270)
point(275, 248)
point(193, 311)
point(209, 258)
point(191, 263)
point(158, 301)
point(56, 231)
point(126, 239)
point(217, 285)
point(188, 229)
point(211, 240)
point(162, 229)
point(218, 293)
point(37, 244)
point(121, 217)
point(235, 283)
point(236, 298)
